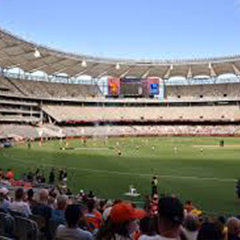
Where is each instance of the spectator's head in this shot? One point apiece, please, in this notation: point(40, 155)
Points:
point(210, 231)
point(191, 222)
point(125, 212)
point(90, 194)
point(171, 214)
point(233, 225)
point(90, 205)
point(43, 196)
point(72, 215)
point(119, 221)
point(30, 194)
point(62, 202)
point(4, 191)
point(155, 198)
point(19, 194)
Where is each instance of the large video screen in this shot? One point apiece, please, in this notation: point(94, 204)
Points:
point(131, 87)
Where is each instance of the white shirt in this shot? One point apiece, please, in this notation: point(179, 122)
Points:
point(146, 237)
point(158, 237)
point(21, 207)
point(64, 232)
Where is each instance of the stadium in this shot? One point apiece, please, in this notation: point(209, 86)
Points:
point(114, 123)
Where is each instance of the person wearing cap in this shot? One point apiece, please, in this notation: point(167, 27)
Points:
point(4, 200)
point(120, 221)
point(171, 215)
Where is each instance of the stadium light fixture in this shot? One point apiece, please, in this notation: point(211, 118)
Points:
point(118, 66)
point(37, 54)
point(84, 63)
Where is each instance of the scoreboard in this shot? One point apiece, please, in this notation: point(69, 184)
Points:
point(133, 87)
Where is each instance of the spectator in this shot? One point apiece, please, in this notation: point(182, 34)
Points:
point(154, 184)
point(190, 226)
point(42, 208)
point(147, 229)
point(93, 217)
point(30, 200)
point(52, 176)
point(171, 216)
point(4, 199)
point(154, 205)
point(209, 231)
point(69, 192)
point(233, 225)
point(19, 205)
point(91, 195)
point(10, 174)
point(107, 210)
point(118, 224)
point(189, 206)
point(72, 231)
point(58, 214)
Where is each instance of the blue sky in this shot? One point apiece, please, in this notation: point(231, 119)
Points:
point(149, 29)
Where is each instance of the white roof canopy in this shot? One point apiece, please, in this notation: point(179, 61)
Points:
point(31, 57)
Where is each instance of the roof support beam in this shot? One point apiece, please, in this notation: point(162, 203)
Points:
point(235, 69)
point(10, 46)
point(67, 67)
point(43, 66)
point(104, 72)
point(212, 71)
point(124, 74)
point(168, 73)
point(145, 75)
point(86, 70)
point(11, 58)
point(189, 73)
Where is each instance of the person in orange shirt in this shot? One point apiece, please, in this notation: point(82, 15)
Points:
point(10, 174)
point(93, 217)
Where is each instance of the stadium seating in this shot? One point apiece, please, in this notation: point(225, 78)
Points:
point(202, 113)
point(203, 92)
point(43, 89)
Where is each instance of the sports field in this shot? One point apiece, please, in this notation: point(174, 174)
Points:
point(192, 168)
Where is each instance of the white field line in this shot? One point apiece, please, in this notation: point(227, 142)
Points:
point(129, 173)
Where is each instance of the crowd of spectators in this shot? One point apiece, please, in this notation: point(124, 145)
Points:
point(83, 216)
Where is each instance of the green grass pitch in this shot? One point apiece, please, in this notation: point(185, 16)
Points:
point(207, 177)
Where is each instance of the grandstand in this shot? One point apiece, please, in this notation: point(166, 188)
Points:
point(55, 100)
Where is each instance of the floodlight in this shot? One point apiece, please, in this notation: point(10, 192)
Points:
point(118, 66)
point(84, 63)
point(37, 54)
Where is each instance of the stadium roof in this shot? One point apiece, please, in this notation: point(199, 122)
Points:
point(32, 57)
